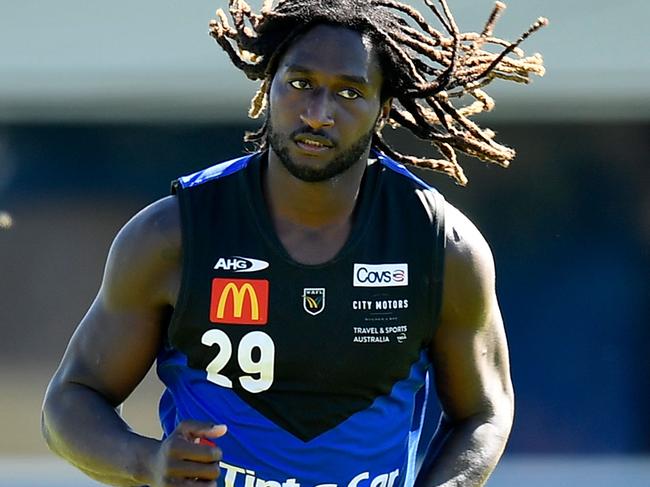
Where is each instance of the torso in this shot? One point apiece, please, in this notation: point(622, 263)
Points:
point(314, 368)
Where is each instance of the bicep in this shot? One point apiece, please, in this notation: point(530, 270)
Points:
point(117, 340)
point(469, 351)
point(471, 369)
point(111, 351)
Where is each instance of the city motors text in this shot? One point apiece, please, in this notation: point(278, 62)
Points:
point(233, 476)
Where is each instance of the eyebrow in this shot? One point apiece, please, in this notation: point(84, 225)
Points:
point(360, 80)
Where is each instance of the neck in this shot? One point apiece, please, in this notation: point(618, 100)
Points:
point(313, 206)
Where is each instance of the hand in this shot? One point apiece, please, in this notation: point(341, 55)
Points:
point(187, 457)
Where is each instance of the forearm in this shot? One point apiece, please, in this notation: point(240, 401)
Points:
point(465, 453)
point(82, 427)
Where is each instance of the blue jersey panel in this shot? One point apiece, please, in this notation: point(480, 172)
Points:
point(399, 168)
point(217, 171)
point(229, 167)
point(372, 448)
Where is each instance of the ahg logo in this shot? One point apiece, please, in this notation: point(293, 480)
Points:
point(240, 264)
point(229, 297)
point(380, 275)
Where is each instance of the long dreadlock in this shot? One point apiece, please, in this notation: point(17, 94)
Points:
point(423, 68)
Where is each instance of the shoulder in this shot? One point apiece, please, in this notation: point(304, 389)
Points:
point(143, 253)
point(215, 172)
point(468, 289)
point(158, 222)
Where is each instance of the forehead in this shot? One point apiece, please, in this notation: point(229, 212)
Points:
point(333, 50)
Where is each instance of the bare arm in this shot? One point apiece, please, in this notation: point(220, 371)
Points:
point(112, 350)
point(470, 359)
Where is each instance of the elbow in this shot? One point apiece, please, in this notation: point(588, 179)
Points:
point(502, 414)
point(46, 416)
point(53, 414)
point(509, 406)
point(497, 415)
point(503, 424)
point(48, 436)
point(45, 433)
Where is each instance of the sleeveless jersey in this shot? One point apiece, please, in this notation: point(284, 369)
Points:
point(315, 369)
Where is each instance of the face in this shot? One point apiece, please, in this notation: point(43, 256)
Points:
point(325, 103)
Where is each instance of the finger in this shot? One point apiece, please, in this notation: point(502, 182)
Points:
point(194, 471)
point(192, 483)
point(182, 449)
point(203, 454)
point(191, 429)
point(204, 441)
point(217, 431)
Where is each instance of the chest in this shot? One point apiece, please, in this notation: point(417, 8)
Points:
point(305, 345)
point(252, 317)
point(249, 312)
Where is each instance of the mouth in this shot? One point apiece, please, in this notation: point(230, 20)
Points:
point(313, 144)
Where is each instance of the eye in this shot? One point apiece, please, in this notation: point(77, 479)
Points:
point(349, 94)
point(300, 84)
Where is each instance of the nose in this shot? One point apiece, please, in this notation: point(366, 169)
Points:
point(318, 112)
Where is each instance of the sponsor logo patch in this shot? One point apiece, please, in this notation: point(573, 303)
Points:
point(313, 300)
point(380, 334)
point(239, 301)
point(379, 304)
point(239, 476)
point(380, 275)
point(237, 263)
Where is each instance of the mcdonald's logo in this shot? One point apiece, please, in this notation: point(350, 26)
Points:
point(239, 301)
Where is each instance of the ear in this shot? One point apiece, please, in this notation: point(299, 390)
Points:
point(384, 113)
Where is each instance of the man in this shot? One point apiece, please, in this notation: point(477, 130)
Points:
point(294, 298)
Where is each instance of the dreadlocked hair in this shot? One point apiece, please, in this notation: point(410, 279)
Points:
point(423, 68)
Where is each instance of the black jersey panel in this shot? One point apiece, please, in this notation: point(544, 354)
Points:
point(306, 346)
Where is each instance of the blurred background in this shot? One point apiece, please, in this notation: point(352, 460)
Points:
point(103, 103)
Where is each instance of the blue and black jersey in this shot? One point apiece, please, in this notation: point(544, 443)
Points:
point(315, 369)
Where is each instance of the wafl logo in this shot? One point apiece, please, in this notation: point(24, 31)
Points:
point(380, 275)
point(313, 300)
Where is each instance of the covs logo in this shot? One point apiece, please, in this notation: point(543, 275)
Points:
point(239, 301)
point(380, 275)
point(236, 263)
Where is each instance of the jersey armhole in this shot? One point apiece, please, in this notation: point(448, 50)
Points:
point(438, 271)
point(186, 265)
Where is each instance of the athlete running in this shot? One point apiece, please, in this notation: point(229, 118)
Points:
point(294, 299)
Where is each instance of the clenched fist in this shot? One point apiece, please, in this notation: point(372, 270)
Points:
point(187, 457)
